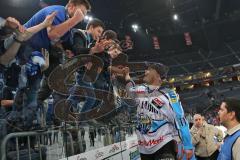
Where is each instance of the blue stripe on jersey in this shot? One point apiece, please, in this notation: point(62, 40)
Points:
point(156, 125)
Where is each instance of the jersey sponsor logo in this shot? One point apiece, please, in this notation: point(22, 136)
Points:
point(173, 97)
point(148, 106)
point(157, 102)
point(139, 91)
point(151, 142)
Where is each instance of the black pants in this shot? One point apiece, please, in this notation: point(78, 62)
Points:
point(167, 152)
point(212, 157)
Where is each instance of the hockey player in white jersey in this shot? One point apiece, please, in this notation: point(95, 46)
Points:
point(160, 118)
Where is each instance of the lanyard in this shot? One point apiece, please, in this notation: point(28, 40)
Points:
point(89, 38)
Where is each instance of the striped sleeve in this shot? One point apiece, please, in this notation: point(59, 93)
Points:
point(181, 122)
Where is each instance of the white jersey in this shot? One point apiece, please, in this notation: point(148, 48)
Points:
point(156, 119)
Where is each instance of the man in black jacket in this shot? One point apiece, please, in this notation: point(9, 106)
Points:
point(81, 41)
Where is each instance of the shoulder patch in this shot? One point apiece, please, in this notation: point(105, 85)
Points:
point(173, 96)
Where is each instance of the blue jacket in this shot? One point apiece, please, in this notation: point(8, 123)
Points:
point(226, 148)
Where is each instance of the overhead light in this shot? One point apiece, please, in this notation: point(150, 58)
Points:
point(238, 77)
point(88, 18)
point(135, 27)
point(207, 84)
point(175, 17)
point(172, 80)
point(208, 74)
point(188, 78)
point(190, 86)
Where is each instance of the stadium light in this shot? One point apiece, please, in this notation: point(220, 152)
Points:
point(175, 17)
point(135, 27)
point(171, 80)
point(208, 74)
point(88, 18)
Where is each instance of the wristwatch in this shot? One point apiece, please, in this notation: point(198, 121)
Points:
point(17, 40)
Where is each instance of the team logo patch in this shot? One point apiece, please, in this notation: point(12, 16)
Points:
point(144, 123)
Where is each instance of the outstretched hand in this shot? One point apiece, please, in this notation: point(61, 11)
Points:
point(78, 15)
point(14, 24)
point(46, 58)
point(49, 19)
point(100, 46)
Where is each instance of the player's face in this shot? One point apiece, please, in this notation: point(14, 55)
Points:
point(150, 76)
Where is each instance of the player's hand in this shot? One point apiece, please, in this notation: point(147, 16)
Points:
point(218, 146)
point(189, 154)
point(49, 19)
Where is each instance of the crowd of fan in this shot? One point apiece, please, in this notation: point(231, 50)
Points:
point(30, 52)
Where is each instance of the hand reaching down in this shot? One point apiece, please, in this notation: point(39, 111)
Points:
point(14, 24)
point(49, 19)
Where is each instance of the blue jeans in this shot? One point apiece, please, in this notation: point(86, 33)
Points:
point(50, 112)
point(89, 95)
point(27, 89)
point(25, 100)
point(32, 91)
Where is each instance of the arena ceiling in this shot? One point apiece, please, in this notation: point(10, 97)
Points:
point(212, 24)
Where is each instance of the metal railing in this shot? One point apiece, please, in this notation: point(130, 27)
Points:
point(38, 135)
